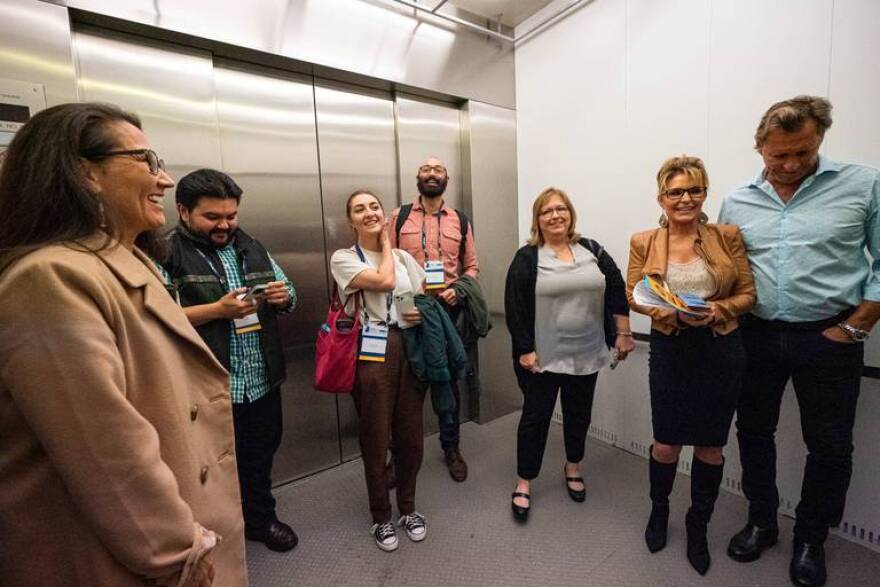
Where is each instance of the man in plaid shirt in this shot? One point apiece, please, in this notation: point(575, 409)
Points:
point(232, 292)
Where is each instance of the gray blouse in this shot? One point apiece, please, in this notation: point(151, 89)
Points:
point(569, 312)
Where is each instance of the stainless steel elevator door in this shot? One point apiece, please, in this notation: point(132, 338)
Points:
point(427, 129)
point(269, 146)
point(357, 151)
point(171, 88)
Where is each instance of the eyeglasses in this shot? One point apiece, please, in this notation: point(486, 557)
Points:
point(697, 192)
point(149, 155)
point(548, 212)
point(429, 168)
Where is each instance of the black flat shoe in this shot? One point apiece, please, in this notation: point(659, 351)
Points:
point(807, 567)
point(578, 495)
point(520, 513)
point(277, 536)
point(748, 544)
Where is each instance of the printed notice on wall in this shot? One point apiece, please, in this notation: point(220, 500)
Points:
point(18, 102)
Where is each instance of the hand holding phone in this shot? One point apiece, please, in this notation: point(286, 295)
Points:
point(404, 302)
point(254, 292)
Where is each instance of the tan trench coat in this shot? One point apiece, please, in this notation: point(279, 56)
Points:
point(116, 437)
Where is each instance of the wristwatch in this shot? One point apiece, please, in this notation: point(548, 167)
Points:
point(857, 334)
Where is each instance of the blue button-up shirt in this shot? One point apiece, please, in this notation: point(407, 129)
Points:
point(808, 255)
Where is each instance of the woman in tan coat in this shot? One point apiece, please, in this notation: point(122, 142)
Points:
point(116, 451)
point(697, 362)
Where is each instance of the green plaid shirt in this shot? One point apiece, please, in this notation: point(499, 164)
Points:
point(248, 376)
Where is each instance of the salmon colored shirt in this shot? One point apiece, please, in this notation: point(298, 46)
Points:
point(442, 241)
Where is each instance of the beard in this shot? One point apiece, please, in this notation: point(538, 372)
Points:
point(432, 191)
point(208, 236)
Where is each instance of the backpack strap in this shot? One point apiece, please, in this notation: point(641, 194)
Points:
point(401, 219)
point(464, 223)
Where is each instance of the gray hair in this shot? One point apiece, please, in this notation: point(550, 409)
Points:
point(791, 116)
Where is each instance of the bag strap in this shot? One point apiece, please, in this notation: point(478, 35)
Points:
point(336, 301)
point(464, 223)
point(401, 219)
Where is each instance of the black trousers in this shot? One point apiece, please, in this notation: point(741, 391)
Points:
point(258, 426)
point(539, 399)
point(826, 377)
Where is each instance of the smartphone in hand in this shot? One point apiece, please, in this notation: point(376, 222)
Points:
point(254, 292)
point(404, 303)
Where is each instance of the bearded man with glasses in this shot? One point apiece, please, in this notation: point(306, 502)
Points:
point(441, 239)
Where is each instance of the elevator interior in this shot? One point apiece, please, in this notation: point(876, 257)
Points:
point(298, 146)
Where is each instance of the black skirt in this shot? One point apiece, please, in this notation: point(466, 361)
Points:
point(695, 378)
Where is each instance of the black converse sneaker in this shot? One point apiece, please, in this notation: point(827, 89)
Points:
point(416, 530)
point(386, 537)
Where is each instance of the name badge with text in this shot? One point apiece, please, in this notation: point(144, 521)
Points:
point(434, 275)
point(250, 323)
point(374, 340)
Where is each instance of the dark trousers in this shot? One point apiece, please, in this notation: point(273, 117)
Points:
point(388, 400)
point(258, 426)
point(826, 377)
point(539, 399)
point(448, 420)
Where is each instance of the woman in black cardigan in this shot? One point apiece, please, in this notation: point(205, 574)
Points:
point(565, 304)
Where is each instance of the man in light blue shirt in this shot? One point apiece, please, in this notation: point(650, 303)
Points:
point(806, 222)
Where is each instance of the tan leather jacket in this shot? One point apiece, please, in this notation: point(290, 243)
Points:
point(721, 247)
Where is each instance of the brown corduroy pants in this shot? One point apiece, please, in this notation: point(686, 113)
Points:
point(388, 399)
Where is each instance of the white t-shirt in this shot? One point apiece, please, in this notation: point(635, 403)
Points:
point(345, 265)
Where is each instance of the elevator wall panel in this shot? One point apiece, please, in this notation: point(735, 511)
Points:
point(356, 144)
point(171, 89)
point(425, 129)
point(489, 140)
point(35, 48)
point(269, 146)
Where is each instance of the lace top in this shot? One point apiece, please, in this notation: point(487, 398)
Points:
point(690, 278)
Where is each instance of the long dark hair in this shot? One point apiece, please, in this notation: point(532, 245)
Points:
point(44, 197)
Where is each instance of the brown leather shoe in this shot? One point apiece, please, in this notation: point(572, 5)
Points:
point(277, 536)
point(458, 469)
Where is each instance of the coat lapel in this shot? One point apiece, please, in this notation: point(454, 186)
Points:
point(137, 271)
point(658, 251)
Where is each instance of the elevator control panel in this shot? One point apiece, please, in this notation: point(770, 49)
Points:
point(18, 102)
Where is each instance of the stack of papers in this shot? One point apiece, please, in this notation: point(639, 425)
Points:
point(654, 291)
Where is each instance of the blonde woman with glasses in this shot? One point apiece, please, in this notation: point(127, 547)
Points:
point(565, 305)
point(696, 362)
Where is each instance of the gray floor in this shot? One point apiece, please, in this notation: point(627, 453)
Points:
point(473, 540)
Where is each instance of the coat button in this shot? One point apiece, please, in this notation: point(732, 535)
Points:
point(194, 413)
point(203, 477)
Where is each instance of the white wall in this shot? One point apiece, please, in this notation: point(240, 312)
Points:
point(606, 94)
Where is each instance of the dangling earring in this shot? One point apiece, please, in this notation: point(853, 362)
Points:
point(102, 223)
point(703, 219)
point(663, 221)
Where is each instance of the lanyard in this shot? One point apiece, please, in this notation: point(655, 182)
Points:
point(210, 263)
point(221, 277)
point(388, 294)
point(424, 235)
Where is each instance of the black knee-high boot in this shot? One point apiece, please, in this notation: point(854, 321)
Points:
point(662, 476)
point(705, 482)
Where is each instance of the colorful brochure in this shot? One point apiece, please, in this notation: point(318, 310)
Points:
point(654, 291)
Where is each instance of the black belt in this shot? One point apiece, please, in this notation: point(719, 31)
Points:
point(752, 320)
